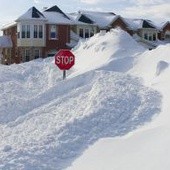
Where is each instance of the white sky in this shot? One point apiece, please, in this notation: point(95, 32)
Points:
point(157, 10)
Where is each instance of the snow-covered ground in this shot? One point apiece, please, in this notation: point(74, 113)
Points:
point(110, 113)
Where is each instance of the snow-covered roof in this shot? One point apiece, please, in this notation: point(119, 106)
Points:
point(102, 19)
point(5, 42)
point(11, 24)
point(56, 18)
point(165, 24)
point(55, 15)
point(135, 24)
point(31, 14)
point(80, 19)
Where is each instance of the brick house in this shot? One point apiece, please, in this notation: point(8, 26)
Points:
point(35, 34)
point(145, 29)
point(165, 31)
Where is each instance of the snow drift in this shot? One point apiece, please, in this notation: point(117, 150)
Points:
point(148, 147)
point(46, 123)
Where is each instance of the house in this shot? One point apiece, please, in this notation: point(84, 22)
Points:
point(98, 21)
point(143, 28)
point(35, 34)
point(83, 26)
point(38, 34)
point(165, 30)
point(88, 23)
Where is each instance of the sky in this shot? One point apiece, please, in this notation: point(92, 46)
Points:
point(156, 10)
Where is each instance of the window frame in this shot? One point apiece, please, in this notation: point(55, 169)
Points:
point(27, 55)
point(53, 32)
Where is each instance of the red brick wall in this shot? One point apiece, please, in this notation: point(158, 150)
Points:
point(60, 42)
point(12, 32)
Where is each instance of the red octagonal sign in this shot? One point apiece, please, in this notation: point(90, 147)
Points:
point(64, 59)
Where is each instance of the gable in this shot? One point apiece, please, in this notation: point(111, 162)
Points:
point(147, 25)
point(166, 26)
point(58, 10)
point(36, 13)
point(119, 23)
point(85, 19)
point(32, 13)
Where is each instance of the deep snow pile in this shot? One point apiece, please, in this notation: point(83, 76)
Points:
point(46, 123)
point(114, 50)
point(147, 148)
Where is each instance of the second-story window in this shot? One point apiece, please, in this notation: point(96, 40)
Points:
point(53, 32)
point(35, 31)
point(38, 31)
point(25, 31)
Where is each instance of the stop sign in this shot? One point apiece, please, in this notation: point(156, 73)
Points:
point(64, 59)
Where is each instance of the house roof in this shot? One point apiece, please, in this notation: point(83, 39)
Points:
point(9, 25)
point(56, 9)
point(165, 24)
point(32, 13)
point(102, 19)
point(80, 19)
point(135, 24)
point(85, 19)
point(5, 42)
point(54, 15)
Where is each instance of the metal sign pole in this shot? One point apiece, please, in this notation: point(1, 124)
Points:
point(64, 74)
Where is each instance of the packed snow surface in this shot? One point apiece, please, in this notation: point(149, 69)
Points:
point(46, 123)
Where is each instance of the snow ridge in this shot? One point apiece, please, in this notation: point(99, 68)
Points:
point(46, 123)
point(110, 104)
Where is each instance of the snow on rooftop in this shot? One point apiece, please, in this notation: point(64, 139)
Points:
point(102, 19)
point(8, 25)
point(31, 14)
point(56, 18)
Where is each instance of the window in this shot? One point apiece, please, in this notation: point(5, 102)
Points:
point(38, 31)
point(87, 35)
point(27, 55)
point(81, 32)
point(146, 36)
point(35, 31)
point(150, 37)
point(53, 32)
point(154, 37)
point(25, 31)
point(28, 31)
point(36, 53)
point(86, 32)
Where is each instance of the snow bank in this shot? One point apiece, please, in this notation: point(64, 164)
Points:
point(114, 50)
point(73, 115)
point(148, 147)
point(46, 123)
point(146, 65)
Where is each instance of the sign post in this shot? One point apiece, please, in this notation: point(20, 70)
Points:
point(64, 59)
